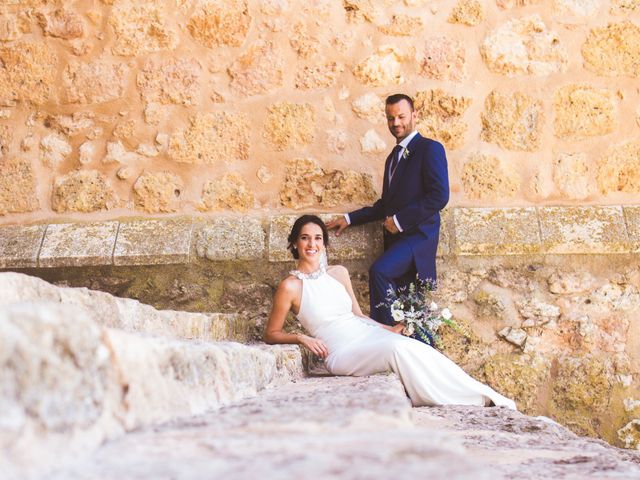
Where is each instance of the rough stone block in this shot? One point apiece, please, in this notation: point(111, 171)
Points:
point(258, 71)
point(440, 116)
point(227, 193)
point(619, 169)
point(584, 111)
point(19, 245)
point(443, 58)
point(632, 216)
point(355, 243)
point(446, 226)
point(496, 231)
point(28, 73)
point(153, 242)
point(290, 125)
point(485, 177)
point(380, 69)
point(569, 230)
point(613, 50)
point(78, 244)
point(230, 239)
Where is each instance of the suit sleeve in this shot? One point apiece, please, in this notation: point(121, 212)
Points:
point(435, 185)
point(367, 214)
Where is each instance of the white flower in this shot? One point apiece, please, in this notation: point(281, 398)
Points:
point(408, 330)
point(433, 306)
point(398, 315)
point(446, 314)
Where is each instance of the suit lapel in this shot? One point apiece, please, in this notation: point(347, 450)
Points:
point(385, 183)
point(402, 166)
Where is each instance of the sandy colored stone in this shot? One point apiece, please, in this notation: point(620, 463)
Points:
point(54, 149)
point(290, 125)
point(228, 193)
point(61, 23)
point(304, 44)
point(372, 143)
point(401, 26)
point(220, 22)
point(613, 50)
point(515, 336)
point(536, 312)
point(443, 58)
point(228, 239)
point(6, 137)
point(572, 175)
point(354, 243)
point(440, 116)
point(370, 107)
point(496, 231)
point(258, 71)
point(575, 11)
point(583, 111)
point(467, 12)
point(9, 27)
point(582, 386)
point(78, 244)
point(619, 169)
point(632, 217)
point(583, 229)
point(98, 81)
point(156, 192)
point(86, 153)
point(153, 242)
point(524, 46)
point(569, 283)
point(485, 177)
point(211, 138)
point(117, 153)
point(176, 81)
point(306, 184)
point(518, 377)
point(363, 10)
point(337, 140)
point(264, 174)
point(383, 68)
point(82, 191)
point(71, 125)
point(630, 434)
point(19, 245)
point(318, 76)
point(142, 27)
point(147, 150)
point(624, 7)
point(27, 73)
point(17, 186)
point(513, 121)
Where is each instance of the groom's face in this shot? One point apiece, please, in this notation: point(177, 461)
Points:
point(401, 119)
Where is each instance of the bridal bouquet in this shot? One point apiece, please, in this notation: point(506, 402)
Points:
point(422, 318)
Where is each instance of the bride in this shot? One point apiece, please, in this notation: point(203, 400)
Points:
point(352, 344)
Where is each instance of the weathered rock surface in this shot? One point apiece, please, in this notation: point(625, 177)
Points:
point(158, 192)
point(619, 169)
point(290, 125)
point(512, 121)
point(175, 81)
point(440, 116)
point(27, 74)
point(583, 111)
point(486, 177)
point(524, 46)
point(259, 70)
point(17, 186)
point(382, 68)
point(101, 80)
point(443, 58)
point(228, 193)
point(82, 191)
point(613, 50)
point(348, 428)
point(220, 22)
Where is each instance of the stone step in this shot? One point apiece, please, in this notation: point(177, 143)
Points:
point(127, 314)
point(68, 383)
point(353, 428)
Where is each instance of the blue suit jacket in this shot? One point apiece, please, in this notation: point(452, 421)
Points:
point(418, 191)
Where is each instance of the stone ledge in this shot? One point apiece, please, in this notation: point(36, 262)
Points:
point(496, 231)
point(464, 231)
point(78, 244)
point(19, 245)
point(153, 242)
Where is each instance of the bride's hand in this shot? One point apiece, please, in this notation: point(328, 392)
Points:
point(314, 345)
point(397, 328)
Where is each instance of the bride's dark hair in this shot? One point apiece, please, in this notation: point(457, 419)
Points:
point(297, 227)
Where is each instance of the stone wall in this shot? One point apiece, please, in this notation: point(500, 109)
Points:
point(117, 106)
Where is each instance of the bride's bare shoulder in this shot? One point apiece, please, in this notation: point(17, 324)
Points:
point(338, 271)
point(290, 284)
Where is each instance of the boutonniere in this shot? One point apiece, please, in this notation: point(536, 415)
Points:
point(405, 154)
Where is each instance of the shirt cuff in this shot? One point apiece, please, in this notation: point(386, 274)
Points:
point(395, 220)
point(346, 217)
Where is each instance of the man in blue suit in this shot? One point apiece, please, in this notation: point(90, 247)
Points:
point(415, 189)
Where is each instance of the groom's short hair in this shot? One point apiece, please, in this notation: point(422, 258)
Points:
point(398, 97)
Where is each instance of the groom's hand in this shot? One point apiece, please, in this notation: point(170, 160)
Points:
point(340, 223)
point(390, 225)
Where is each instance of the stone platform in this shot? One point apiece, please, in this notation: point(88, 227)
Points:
point(354, 428)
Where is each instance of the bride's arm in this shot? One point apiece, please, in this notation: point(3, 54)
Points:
point(341, 274)
point(288, 290)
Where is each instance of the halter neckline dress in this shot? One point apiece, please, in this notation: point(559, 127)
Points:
point(359, 346)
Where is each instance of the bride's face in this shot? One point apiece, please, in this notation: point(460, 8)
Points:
point(310, 242)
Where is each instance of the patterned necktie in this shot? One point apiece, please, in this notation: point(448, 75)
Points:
point(395, 160)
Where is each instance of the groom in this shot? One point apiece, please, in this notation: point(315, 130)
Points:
point(415, 189)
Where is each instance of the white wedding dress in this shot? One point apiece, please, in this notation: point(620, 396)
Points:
point(359, 346)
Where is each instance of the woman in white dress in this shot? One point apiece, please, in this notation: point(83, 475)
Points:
point(352, 344)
